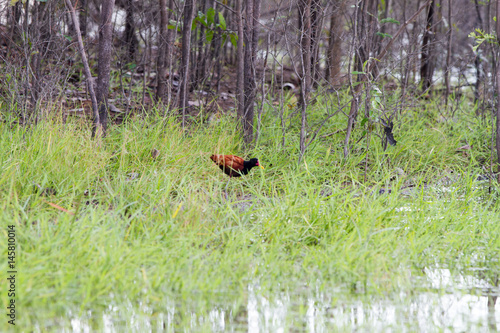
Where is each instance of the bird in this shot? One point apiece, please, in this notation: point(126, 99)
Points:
point(234, 166)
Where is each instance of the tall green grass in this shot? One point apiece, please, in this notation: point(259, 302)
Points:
point(151, 230)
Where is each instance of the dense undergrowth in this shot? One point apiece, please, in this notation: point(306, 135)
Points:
point(147, 230)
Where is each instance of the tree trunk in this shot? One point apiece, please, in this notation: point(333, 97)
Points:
point(130, 37)
point(189, 7)
point(383, 29)
point(14, 24)
point(216, 56)
point(427, 63)
point(163, 45)
point(498, 89)
point(35, 60)
point(477, 60)
point(304, 12)
point(240, 63)
point(355, 90)
point(360, 56)
point(250, 39)
point(316, 27)
point(171, 35)
point(334, 45)
point(201, 55)
point(82, 16)
point(448, 56)
point(103, 67)
point(86, 68)
point(47, 17)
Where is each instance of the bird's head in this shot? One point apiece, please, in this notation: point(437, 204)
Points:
point(255, 162)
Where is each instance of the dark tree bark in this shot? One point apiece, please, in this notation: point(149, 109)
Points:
point(82, 17)
point(427, 62)
point(14, 24)
point(130, 37)
point(103, 67)
point(47, 16)
point(189, 7)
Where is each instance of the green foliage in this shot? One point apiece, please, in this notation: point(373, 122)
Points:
point(480, 36)
point(383, 34)
point(208, 21)
point(389, 20)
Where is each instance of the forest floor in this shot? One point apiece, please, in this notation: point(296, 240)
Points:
point(110, 238)
point(132, 92)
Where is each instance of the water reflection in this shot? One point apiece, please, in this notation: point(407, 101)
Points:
point(450, 303)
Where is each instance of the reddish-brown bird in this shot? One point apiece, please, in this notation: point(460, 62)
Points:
point(235, 166)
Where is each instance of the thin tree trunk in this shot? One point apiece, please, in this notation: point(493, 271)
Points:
point(86, 68)
point(27, 51)
point(201, 56)
point(353, 113)
point(240, 64)
point(35, 61)
point(104, 66)
point(47, 14)
point(304, 11)
point(477, 60)
point(248, 71)
point(171, 35)
point(251, 24)
point(262, 89)
point(316, 27)
point(448, 56)
point(161, 86)
point(14, 23)
point(426, 68)
point(216, 56)
point(498, 91)
point(362, 51)
point(383, 29)
point(255, 35)
point(189, 7)
point(82, 16)
point(130, 37)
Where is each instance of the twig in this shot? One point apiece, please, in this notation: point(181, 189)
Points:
point(86, 67)
point(225, 6)
point(333, 133)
